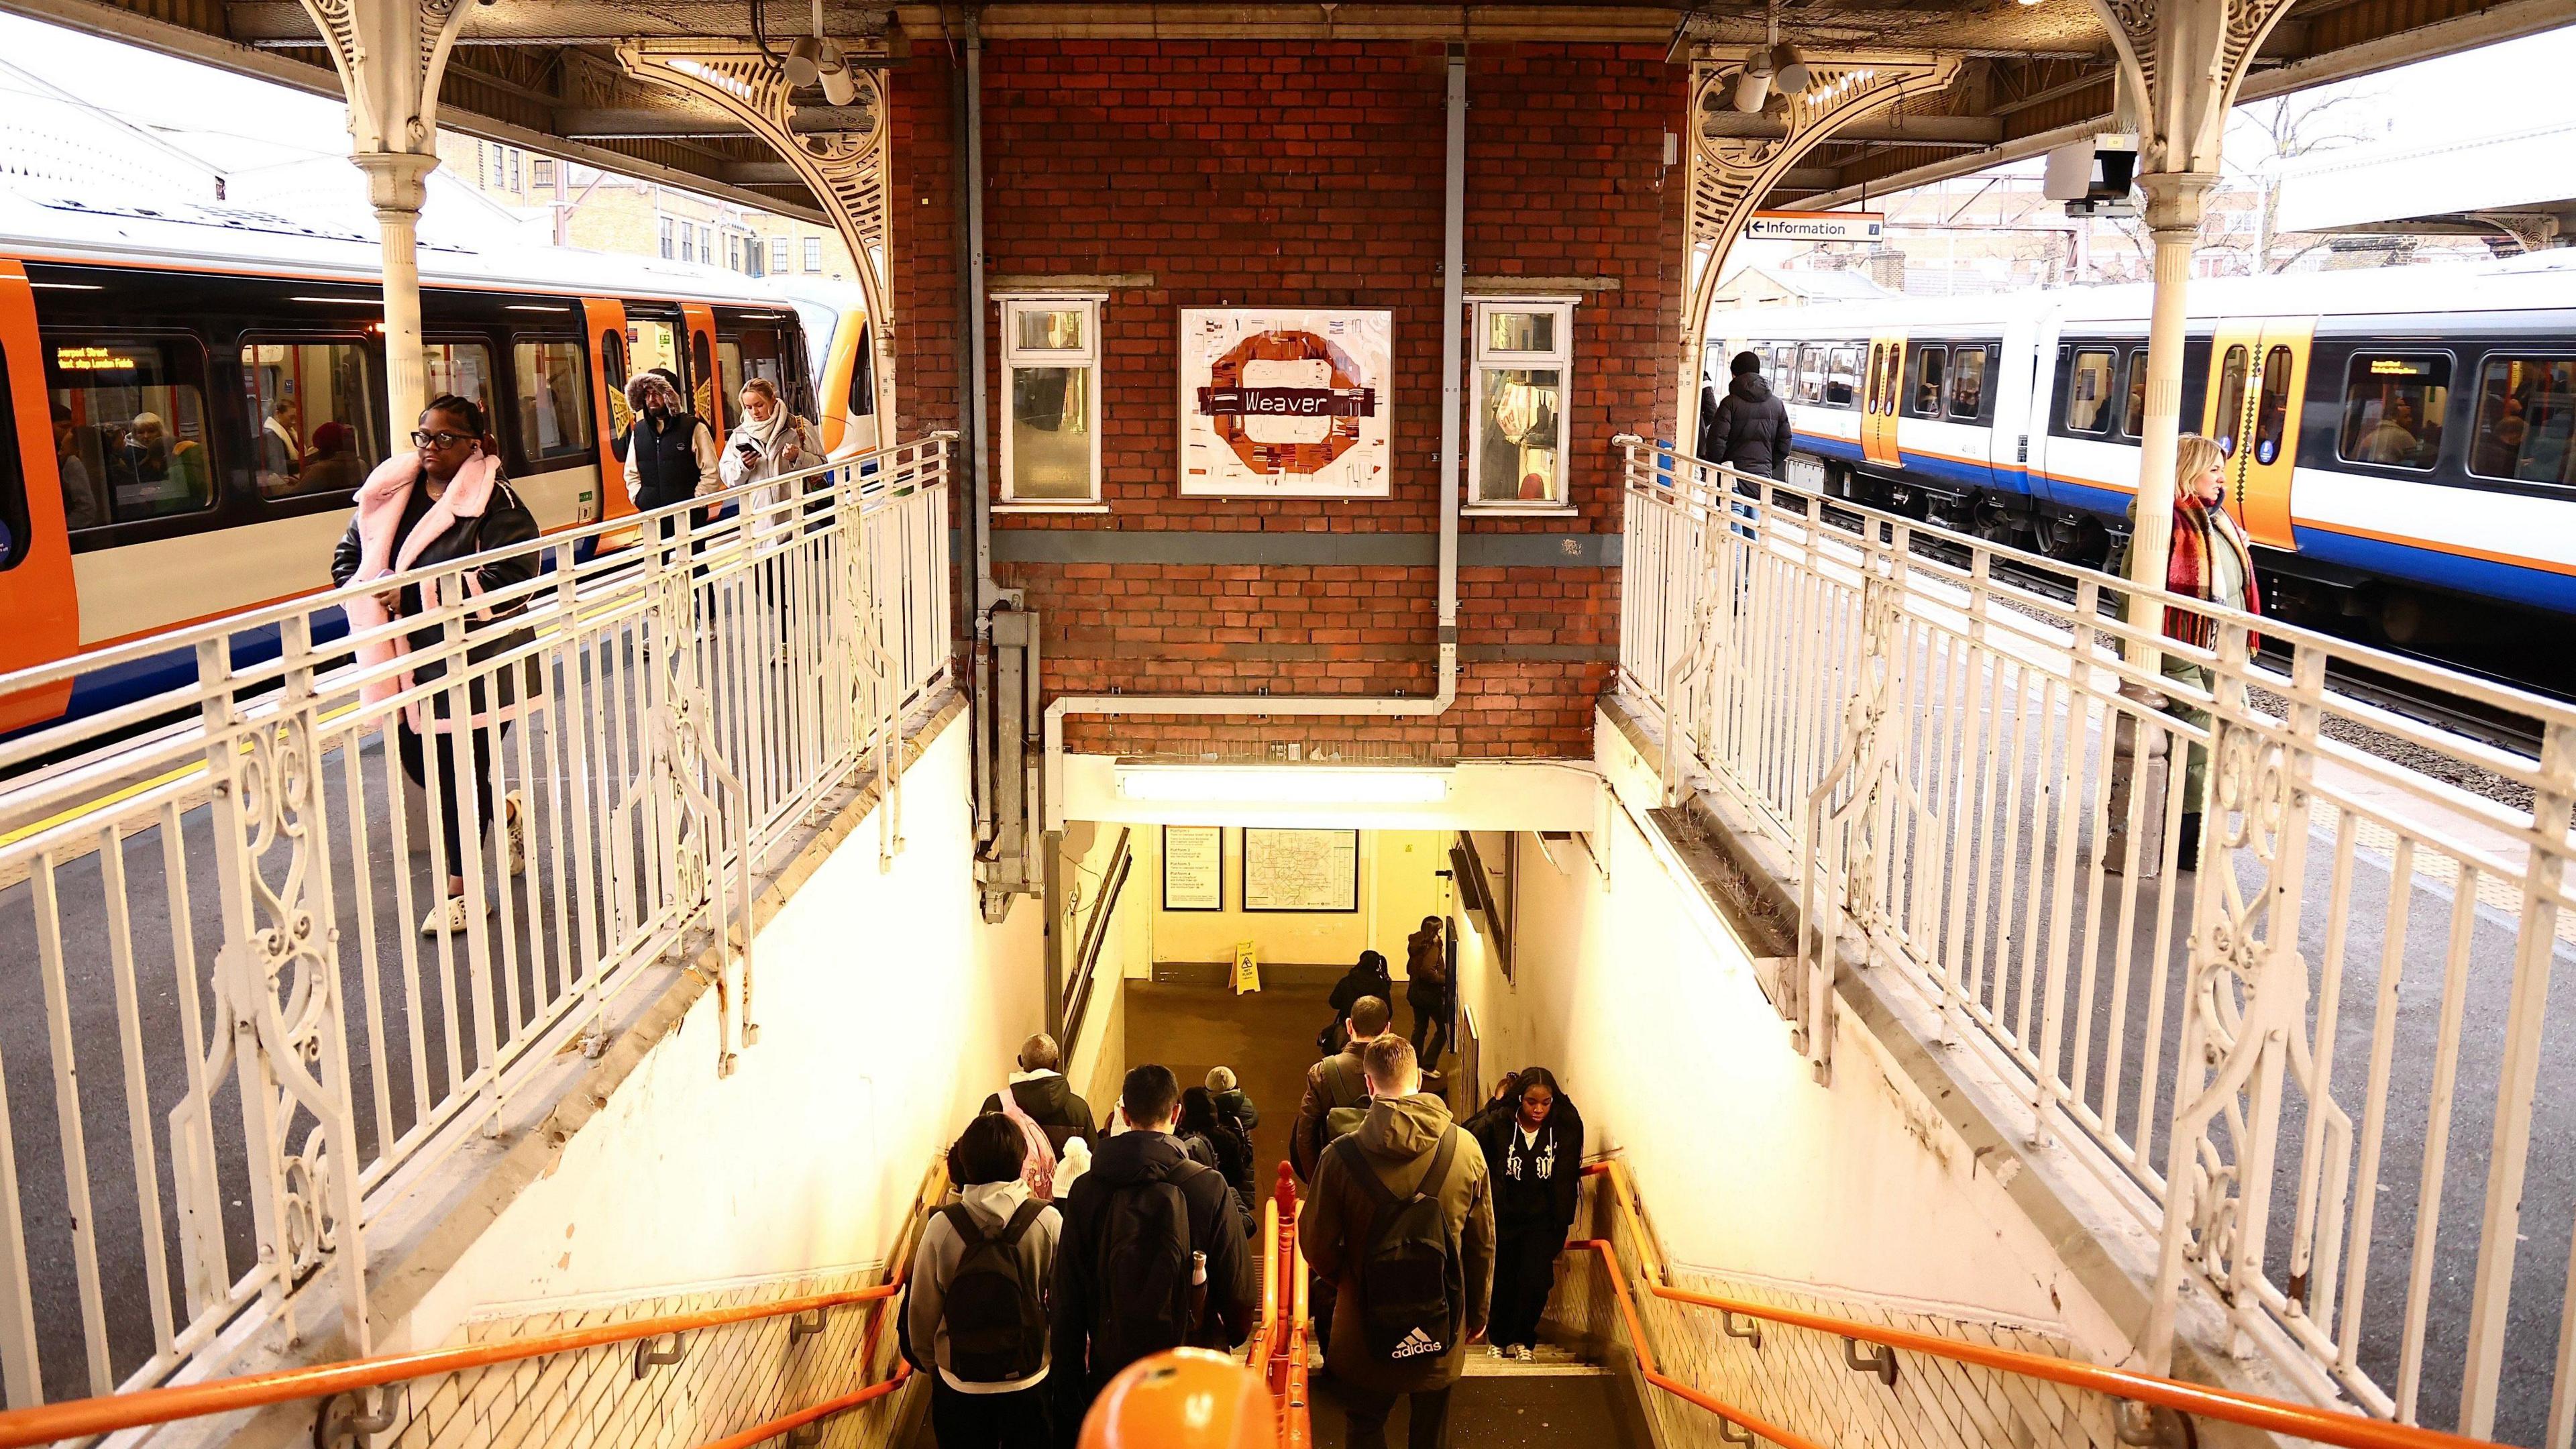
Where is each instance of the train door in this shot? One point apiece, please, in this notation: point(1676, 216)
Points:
point(37, 594)
point(2029, 459)
point(2258, 372)
point(706, 392)
point(1878, 401)
point(605, 321)
point(848, 399)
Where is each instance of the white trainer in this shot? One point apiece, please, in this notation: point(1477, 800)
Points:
point(515, 832)
point(445, 919)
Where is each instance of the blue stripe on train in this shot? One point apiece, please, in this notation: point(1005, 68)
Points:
point(105, 689)
point(2537, 588)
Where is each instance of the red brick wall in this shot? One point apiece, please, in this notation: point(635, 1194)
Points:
point(1308, 174)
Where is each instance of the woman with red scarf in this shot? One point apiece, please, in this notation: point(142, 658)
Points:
point(2212, 562)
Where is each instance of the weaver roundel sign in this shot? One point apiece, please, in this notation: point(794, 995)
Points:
point(1284, 402)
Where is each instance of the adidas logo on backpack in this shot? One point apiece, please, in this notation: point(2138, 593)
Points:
point(1415, 1344)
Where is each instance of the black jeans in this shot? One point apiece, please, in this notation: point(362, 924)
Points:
point(1428, 1429)
point(1524, 1276)
point(1016, 1420)
point(1431, 1014)
point(440, 754)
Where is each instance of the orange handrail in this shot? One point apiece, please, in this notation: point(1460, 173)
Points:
point(1646, 1359)
point(2279, 1416)
point(759, 1433)
point(1284, 1331)
point(77, 1418)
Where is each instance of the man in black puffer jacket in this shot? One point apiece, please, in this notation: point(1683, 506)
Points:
point(1748, 428)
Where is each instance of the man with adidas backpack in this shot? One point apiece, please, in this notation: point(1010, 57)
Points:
point(1153, 1254)
point(975, 1302)
point(1401, 1222)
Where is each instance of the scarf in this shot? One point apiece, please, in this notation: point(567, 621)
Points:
point(2197, 529)
point(765, 434)
point(380, 510)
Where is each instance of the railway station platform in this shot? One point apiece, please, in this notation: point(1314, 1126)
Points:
point(1930, 1088)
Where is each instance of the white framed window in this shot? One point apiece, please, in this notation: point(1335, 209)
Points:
point(666, 239)
point(1524, 368)
point(813, 254)
point(778, 254)
point(1051, 399)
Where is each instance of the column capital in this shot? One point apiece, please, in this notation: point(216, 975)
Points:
point(2174, 200)
point(396, 180)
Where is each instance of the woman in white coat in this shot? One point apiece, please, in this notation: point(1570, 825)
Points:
point(771, 442)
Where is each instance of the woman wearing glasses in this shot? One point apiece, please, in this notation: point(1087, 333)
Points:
point(443, 501)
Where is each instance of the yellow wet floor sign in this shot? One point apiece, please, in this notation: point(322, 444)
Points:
point(1247, 970)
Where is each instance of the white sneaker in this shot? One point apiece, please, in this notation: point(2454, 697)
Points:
point(1495, 1350)
point(514, 830)
point(445, 919)
point(1517, 1351)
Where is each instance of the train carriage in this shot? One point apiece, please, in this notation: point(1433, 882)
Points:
point(2398, 443)
point(195, 392)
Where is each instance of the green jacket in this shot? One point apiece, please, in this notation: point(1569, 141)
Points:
point(1398, 1140)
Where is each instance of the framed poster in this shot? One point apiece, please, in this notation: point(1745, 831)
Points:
point(1285, 402)
point(1301, 870)
point(1193, 867)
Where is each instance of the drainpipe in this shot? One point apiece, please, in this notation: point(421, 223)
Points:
point(1453, 298)
point(967, 119)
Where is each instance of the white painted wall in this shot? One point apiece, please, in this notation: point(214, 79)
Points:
point(887, 1009)
point(1646, 1008)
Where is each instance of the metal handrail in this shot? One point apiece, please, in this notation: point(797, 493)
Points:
point(2279, 1416)
point(1655, 1376)
point(142, 1408)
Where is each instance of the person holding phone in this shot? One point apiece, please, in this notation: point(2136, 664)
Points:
point(772, 442)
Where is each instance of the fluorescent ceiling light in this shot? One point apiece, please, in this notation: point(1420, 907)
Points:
point(68, 286)
point(528, 307)
point(1285, 785)
point(342, 301)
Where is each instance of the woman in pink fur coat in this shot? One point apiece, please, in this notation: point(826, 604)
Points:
point(444, 501)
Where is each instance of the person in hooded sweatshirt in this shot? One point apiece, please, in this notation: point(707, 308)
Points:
point(1533, 1142)
point(1747, 429)
point(1042, 1092)
point(1408, 1135)
point(987, 1379)
point(1113, 1301)
point(1369, 977)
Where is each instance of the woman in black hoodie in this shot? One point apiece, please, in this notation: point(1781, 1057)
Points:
point(1369, 978)
point(1533, 1141)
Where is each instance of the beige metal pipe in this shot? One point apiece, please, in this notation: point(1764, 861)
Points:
point(2173, 216)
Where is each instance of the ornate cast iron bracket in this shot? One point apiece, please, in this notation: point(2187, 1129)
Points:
point(1729, 175)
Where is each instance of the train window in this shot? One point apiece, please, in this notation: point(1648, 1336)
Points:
point(2088, 390)
point(1967, 383)
point(863, 375)
point(2393, 406)
point(460, 369)
point(755, 353)
point(703, 384)
point(1931, 366)
point(612, 366)
point(1784, 369)
point(2231, 397)
point(651, 343)
point(313, 417)
point(14, 535)
point(2272, 413)
point(137, 415)
point(2526, 414)
point(1842, 376)
point(1811, 374)
point(554, 397)
point(2133, 418)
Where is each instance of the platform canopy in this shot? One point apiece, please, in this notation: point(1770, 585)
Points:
point(544, 73)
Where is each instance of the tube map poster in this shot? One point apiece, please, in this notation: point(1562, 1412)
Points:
point(1285, 402)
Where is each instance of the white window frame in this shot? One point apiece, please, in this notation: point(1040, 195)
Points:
point(779, 247)
point(1085, 357)
point(1481, 357)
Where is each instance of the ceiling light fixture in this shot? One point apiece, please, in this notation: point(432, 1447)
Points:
point(1287, 785)
point(1789, 69)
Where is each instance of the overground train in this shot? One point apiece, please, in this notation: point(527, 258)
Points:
point(2399, 442)
point(195, 392)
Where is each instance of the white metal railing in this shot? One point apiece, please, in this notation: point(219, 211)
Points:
point(224, 1124)
point(2336, 1022)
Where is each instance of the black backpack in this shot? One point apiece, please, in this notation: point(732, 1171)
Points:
point(997, 1328)
point(1413, 1290)
point(1146, 1301)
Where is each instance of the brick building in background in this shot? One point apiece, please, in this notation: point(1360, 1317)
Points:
point(1127, 180)
point(581, 206)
